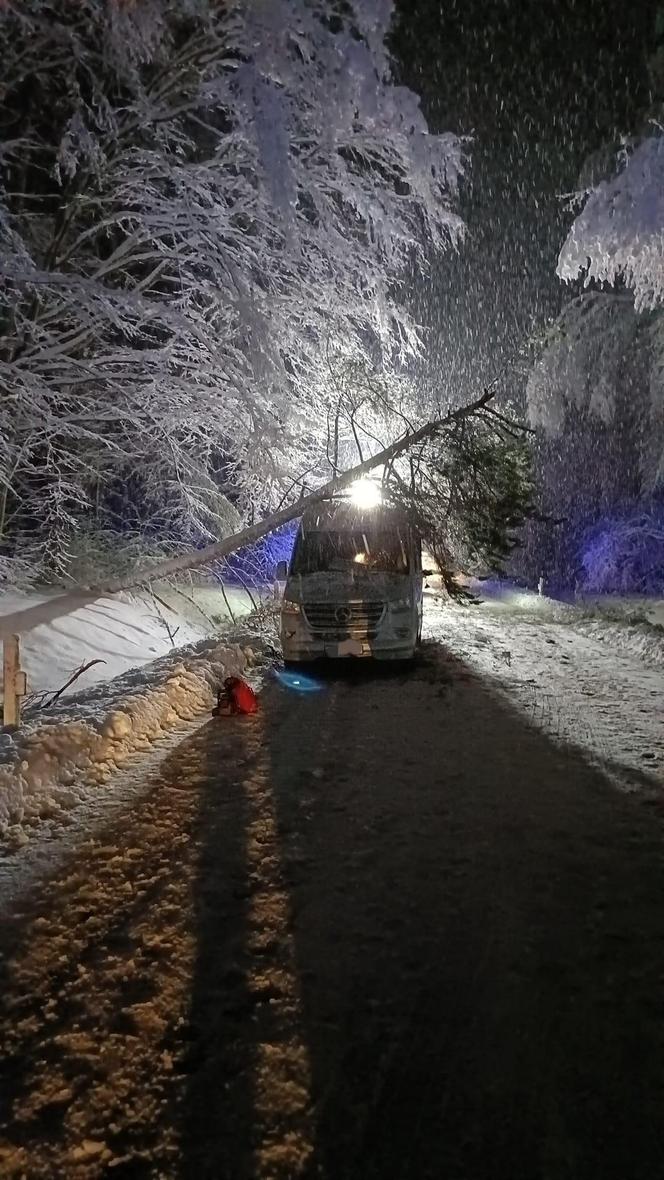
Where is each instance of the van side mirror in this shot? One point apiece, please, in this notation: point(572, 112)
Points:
point(281, 572)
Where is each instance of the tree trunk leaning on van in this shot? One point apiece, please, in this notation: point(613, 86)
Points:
point(67, 603)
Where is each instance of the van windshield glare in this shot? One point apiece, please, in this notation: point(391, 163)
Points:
point(328, 551)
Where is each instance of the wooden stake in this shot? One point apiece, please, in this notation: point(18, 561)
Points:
point(13, 682)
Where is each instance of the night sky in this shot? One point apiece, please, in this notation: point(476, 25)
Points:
point(539, 86)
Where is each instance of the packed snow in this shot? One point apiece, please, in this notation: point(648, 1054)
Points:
point(63, 752)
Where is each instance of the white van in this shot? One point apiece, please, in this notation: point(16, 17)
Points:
point(354, 586)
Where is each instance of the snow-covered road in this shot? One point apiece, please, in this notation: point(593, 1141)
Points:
point(405, 927)
point(583, 691)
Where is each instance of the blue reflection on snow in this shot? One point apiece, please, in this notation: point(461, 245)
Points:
point(297, 681)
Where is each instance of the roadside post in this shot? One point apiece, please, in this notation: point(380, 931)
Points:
point(14, 682)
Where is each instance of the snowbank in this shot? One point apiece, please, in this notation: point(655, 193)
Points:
point(632, 626)
point(49, 765)
point(126, 631)
point(641, 639)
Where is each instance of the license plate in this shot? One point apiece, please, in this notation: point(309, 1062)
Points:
point(347, 647)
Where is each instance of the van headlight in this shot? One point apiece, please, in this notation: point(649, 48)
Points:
point(288, 607)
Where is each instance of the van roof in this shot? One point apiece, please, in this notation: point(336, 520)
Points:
point(343, 514)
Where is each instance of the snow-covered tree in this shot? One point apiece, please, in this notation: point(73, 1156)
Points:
point(602, 364)
point(609, 344)
point(618, 236)
point(596, 390)
point(624, 555)
point(205, 217)
point(595, 396)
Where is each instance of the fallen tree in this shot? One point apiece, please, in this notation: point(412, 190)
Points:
point(64, 604)
point(468, 492)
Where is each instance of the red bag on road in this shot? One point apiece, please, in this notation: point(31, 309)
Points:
point(236, 697)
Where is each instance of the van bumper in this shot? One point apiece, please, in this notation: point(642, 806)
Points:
point(301, 649)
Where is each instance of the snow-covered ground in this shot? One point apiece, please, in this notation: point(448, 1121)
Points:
point(123, 632)
point(565, 672)
point(593, 684)
point(357, 926)
point(629, 624)
point(612, 606)
point(55, 760)
point(164, 656)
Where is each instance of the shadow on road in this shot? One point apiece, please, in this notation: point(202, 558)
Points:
point(464, 977)
point(385, 930)
point(218, 1111)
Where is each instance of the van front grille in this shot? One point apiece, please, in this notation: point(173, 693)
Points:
point(344, 618)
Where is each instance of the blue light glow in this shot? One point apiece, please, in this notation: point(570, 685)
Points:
point(297, 681)
point(256, 564)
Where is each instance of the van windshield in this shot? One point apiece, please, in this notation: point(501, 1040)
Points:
point(326, 551)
